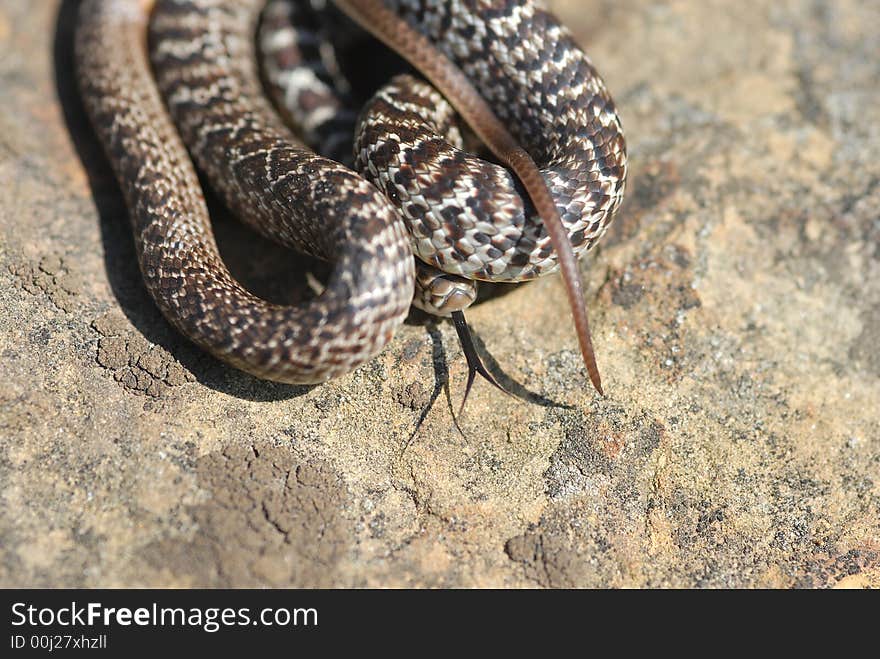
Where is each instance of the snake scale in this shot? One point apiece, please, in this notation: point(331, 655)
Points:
point(182, 79)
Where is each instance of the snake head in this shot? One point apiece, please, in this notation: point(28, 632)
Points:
point(441, 294)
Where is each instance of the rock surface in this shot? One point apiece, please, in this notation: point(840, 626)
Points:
point(736, 315)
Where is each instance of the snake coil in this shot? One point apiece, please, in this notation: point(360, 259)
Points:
point(509, 68)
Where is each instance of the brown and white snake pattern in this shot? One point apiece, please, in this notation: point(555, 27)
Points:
point(512, 72)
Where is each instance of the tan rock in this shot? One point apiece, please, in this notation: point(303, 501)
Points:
point(736, 315)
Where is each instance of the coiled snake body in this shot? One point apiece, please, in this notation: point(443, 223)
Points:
point(509, 68)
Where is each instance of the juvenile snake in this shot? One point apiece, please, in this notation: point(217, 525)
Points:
point(506, 66)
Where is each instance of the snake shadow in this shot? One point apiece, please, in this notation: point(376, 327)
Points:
point(442, 378)
point(278, 275)
point(441, 371)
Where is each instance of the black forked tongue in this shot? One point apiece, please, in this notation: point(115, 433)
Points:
point(475, 364)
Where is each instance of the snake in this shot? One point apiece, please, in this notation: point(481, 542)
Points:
point(406, 215)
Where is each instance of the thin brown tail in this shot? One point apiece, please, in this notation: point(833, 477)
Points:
point(418, 50)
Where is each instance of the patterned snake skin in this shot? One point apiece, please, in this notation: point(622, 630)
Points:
point(464, 216)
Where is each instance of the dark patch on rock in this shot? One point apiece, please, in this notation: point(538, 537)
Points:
point(413, 396)
point(51, 276)
point(138, 366)
point(269, 521)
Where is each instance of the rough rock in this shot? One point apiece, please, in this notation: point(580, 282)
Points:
point(736, 315)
